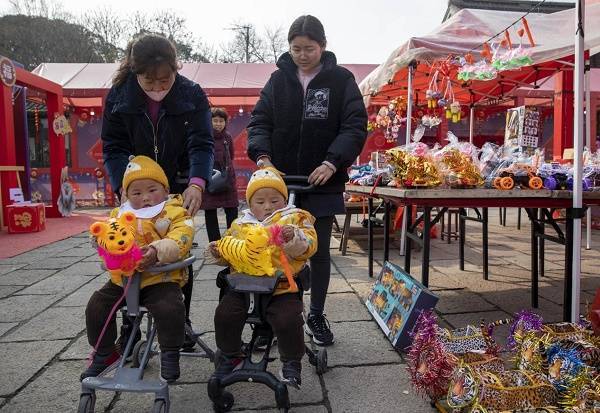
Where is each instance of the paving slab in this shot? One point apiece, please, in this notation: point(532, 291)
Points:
point(23, 307)
point(53, 263)
point(343, 307)
point(185, 398)
point(77, 350)
point(4, 327)
point(52, 324)
point(202, 314)
point(208, 272)
point(57, 389)
point(82, 268)
point(20, 361)
point(461, 320)
point(313, 408)
point(6, 290)
point(461, 301)
point(5, 267)
point(205, 291)
point(338, 284)
point(384, 388)
point(25, 276)
point(59, 285)
point(81, 296)
point(358, 343)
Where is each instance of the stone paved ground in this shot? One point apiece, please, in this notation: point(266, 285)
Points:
point(42, 343)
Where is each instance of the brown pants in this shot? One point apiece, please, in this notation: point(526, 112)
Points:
point(164, 301)
point(284, 314)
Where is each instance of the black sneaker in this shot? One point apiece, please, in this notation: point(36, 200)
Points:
point(100, 362)
point(291, 373)
point(318, 328)
point(226, 366)
point(169, 366)
point(124, 336)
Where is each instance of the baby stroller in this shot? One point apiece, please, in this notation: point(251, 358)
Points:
point(258, 291)
point(131, 379)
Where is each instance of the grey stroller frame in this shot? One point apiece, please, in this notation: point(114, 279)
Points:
point(258, 292)
point(131, 379)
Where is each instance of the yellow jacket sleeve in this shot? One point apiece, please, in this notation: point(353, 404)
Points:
point(181, 230)
point(305, 223)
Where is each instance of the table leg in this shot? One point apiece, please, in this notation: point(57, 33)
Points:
point(370, 240)
point(461, 236)
point(426, 243)
point(386, 231)
point(449, 227)
point(542, 244)
point(568, 265)
point(485, 243)
point(346, 233)
point(534, 258)
point(519, 219)
point(407, 240)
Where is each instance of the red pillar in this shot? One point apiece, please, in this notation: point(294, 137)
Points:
point(57, 150)
point(563, 113)
point(8, 156)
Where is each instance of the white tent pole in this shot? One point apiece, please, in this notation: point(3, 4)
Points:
point(471, 123)
point(577, 149)
point(588, 144)
point(409, 105)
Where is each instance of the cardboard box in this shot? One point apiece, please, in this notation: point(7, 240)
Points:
point(396, 301)
point(26, 217)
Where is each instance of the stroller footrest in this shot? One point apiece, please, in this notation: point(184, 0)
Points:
point(125, 380)
point(243, 375)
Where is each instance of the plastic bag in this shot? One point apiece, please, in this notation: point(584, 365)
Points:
point(457, 163)
point(412, 165)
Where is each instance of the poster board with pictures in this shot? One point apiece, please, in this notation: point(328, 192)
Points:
point(395, 303)
point(523, 128)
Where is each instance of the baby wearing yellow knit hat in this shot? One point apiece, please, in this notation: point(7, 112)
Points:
point(164, 231)
point(291, 240)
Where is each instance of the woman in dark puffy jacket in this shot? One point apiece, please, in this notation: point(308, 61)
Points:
point(311, 120)
point(152, 110)
point(223, 161)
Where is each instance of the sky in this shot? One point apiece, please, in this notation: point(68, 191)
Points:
point(358, 31)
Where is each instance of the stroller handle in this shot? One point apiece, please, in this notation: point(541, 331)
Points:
point(298, 183)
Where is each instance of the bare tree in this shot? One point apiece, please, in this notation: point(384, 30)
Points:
point(246, 46)
point(276, 41)
point(49, 9)
point(108, 24)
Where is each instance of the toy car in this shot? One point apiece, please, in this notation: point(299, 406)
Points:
point(519, 174)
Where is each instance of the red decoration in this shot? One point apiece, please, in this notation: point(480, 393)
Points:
point(23, 218)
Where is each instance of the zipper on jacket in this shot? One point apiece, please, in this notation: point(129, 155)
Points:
point(154, 134)
point(301, 123)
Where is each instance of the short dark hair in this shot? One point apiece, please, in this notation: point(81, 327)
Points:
point(308, 26)
point(219, 113)
point(145, 54)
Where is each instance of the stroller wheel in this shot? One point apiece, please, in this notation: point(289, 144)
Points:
point(224, 403)
point(86, 403)
point(138, 353)
point(160, 406)
point(321, 361)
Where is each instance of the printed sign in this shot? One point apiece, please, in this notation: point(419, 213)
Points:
point(8, 73)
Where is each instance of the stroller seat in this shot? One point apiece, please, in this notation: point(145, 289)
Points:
point(258, 291)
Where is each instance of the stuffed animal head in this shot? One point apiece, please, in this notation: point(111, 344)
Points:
point(117, 235)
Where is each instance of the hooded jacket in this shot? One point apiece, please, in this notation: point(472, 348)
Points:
point(299, 132)
point(167, 221)
point(182, 137)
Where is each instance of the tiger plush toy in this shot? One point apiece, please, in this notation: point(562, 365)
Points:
point(117, 246)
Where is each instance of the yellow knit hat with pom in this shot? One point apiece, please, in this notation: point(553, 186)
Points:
point(142, 167)
point(266, 178)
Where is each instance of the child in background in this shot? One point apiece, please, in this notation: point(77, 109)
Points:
point(267, 195)
point(164, 232)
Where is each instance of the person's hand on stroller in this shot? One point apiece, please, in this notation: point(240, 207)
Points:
point(149, 258)
point(296, 242)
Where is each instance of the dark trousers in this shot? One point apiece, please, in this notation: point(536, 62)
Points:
point(164, 301)
point(283, 313)
point(320, 265)
point(212, 223)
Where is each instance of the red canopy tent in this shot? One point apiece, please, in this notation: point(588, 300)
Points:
point(465, 32)
point(8, 159)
